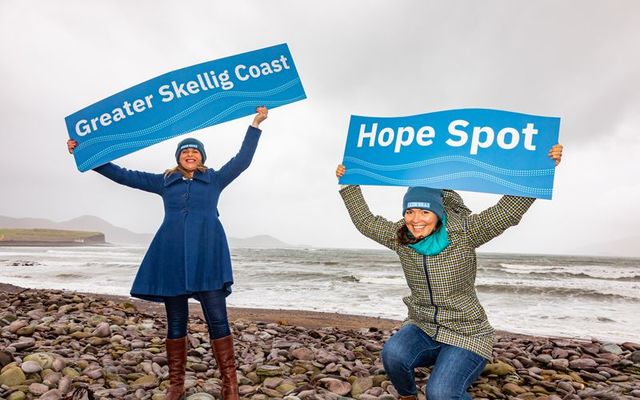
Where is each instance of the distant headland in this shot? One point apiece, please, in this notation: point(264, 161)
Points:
point(92, 230)
point(49, 237)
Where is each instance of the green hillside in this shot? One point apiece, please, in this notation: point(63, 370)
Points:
point(48, 236)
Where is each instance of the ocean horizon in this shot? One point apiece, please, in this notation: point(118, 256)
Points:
point(570, 296)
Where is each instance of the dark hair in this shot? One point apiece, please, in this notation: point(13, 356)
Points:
point(178, 169)
point(405, 237)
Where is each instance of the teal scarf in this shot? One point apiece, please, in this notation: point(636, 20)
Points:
point(434, 243)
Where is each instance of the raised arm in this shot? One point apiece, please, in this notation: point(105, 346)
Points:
point(241, 161)
point(374, 227)
point(146, 181)
point(491, 222)
point(136, 179)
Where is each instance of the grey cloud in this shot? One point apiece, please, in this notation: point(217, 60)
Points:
point(574, 59)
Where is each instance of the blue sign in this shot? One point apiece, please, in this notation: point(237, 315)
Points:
point(478, 150)
point(183, 101)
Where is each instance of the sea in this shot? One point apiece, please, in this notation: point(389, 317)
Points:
point(581, 297)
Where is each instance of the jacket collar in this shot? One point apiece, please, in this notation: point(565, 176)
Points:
point(175, 177)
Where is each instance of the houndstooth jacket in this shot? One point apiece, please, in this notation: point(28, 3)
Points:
point(443, 301)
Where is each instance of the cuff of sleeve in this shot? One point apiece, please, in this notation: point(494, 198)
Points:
point(345, 188)
point(254, 129)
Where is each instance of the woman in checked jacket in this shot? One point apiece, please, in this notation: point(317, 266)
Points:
point(446, 326)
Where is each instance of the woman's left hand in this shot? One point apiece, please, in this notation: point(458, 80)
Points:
point(556, 153)
point(261, 115)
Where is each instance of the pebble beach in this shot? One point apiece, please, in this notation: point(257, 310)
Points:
point(67, 345)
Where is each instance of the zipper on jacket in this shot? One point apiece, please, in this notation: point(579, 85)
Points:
point(435, 314)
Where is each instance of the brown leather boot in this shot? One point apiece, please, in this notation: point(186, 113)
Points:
point(408, 398)
point(223, 353)
point(177, 359)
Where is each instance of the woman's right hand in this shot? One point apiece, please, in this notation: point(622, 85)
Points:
point(71, 144)
point(261, 115)
point(340, 170)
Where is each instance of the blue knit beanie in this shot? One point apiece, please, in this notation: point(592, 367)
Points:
point(191, 143)
point(424, 198)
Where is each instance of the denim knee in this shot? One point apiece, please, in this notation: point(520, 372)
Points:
point(176, 331)
point(453, 374)
point(214, 309)
point(393, 357)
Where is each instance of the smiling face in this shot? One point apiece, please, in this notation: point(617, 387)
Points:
point(421, 223)
point(190, 159)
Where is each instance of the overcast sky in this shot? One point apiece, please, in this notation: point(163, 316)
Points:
point(577, 60)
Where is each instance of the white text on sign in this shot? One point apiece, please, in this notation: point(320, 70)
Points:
point(482, 137)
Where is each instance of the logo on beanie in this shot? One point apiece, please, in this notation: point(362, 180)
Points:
point(418, 204)
point(189, 146)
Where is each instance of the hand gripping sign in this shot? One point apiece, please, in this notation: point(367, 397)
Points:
point(183, 101)
point(479, 150)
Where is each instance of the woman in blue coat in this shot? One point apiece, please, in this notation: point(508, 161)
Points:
point(189, 255)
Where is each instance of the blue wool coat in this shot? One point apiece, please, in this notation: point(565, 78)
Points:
point(189, 253)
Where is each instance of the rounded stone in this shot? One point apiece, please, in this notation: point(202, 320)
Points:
point(31, 367)
point(336, 386)
point(58, 364)
point(98, 341)
point(269, 370)
point(302, 353)
point(17, 324)
point(103, 330)
point(23, 343)
point(70, 372)
point(51, 378)
point(12, 376)
point(246, 390)
point(44, 359)
point(512, 389)
point(583, 363)
point(499, 368)
point(145, 382)
point(19, 395)
point(201, 396)
point(38, 388)
point(361, 385)
point(612, 348)
point(65, 384)
point(272, 382)
point(560, 363)
point(93, 372)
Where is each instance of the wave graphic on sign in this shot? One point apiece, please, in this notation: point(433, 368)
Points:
point(143, 143)
point(462, 159)
point(185, 113)
point(445, 159)
point(533, 191)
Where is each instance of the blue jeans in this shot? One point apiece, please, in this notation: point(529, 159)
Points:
point(454, 368)
point(214, 308)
